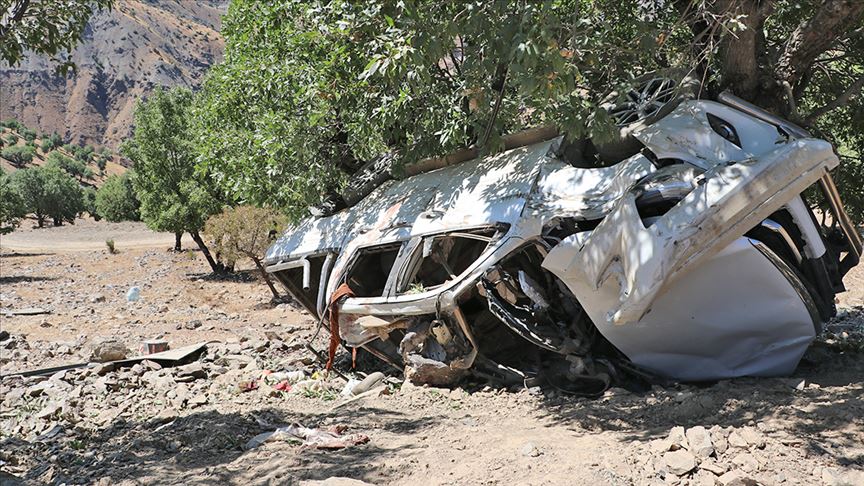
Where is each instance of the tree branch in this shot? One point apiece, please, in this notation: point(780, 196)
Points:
point(815, 36)
point(853, 90)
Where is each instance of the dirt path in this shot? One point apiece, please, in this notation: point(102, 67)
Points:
point(86, 235)
point(147, 426)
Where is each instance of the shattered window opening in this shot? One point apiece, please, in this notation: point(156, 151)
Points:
point(368, 274)
point(440, 259)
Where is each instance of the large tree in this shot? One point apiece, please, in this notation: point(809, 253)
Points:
point(308, 90)
point(49, 27)
point(48, 192)
point(173, 196)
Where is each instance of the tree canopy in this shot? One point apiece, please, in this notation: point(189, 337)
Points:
point(115, 200)
point(73, 167)
point(173, 196)
point(49, 27)
point(48, 192)
point(11, 205)
point(19, 156)
point(309, 90)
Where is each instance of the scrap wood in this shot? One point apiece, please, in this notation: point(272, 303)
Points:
point(27, 311)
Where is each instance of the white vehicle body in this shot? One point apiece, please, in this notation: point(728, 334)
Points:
point(522, 246)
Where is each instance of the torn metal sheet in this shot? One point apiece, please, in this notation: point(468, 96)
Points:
point(27, 311)
point(171, 357)
point(730, 198)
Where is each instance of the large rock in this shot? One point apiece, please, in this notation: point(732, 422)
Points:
point(699, 442)
point(109, 350)
point(679, 462)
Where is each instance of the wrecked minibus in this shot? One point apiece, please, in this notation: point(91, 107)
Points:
point(693, 257)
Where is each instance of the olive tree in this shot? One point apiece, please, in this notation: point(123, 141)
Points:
point(19, 156)
point(11, 205)
point(48, 192)
point(116, 201)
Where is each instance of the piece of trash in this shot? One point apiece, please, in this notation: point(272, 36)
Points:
point(26, 311)
point(133, 294)
point(152, 346)
point(311, 438)
point(346, 391)
point(283, 386)
point(289, 376)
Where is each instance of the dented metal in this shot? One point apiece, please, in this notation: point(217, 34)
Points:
point(519, 265)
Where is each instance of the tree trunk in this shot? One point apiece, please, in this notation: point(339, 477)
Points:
point(178, 244)
point(266, 277)
point(217, 267)
point(40, 220)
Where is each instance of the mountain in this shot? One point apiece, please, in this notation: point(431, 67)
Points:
point(124, 54)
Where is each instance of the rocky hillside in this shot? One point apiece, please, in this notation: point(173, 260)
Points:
point(125, 53)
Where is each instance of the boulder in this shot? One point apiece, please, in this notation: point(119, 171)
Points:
point(109, 350)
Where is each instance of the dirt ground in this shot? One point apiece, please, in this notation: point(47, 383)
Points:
point(190, 425)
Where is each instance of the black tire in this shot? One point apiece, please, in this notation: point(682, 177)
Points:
point(651, 97)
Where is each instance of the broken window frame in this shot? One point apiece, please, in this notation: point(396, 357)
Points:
point(414, 257)
point(350, 267)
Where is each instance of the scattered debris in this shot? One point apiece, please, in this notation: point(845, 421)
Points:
point(331, 438)
point(152, 346)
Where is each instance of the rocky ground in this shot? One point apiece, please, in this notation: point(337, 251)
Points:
point(195, 423)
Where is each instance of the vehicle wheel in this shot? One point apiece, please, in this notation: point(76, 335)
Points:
point(652, 97)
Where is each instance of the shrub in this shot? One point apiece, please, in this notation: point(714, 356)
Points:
point(245, 232)
point(11, 139)
point(28, 134)
point(83, 154)
point(18, 156)
point(50, 142)
point(110, 244)
point(116, 201)
point(11, 123)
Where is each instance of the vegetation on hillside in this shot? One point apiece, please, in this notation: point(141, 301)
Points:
point(52, 169)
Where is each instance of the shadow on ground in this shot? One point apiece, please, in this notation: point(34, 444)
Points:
point(208, 448)
point(826, 415)
point(22, 254)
